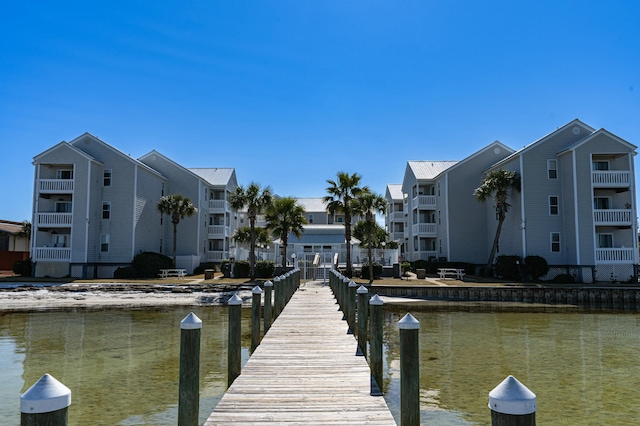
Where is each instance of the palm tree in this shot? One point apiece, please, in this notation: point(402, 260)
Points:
point(497, 185)
point(243, 236)
point(368, 204)
point(25, 231)
point(341, 192)
point(255, 199)
point(285, 216)
point(178, 207)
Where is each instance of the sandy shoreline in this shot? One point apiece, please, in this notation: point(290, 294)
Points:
point(114, 295)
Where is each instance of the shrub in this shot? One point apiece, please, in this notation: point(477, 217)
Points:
point(508, 268)
point(536, 266)
point(242, 269)
point(377, 270)
point(22, 267)
point(126, 273)
point(405, 267)
point(265, 268)
point(563, 279)
point(205, 265)
point(148, 264)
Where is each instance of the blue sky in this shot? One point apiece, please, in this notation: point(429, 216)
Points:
point(291, 92)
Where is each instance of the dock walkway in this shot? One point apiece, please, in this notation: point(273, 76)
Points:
point(305, 371)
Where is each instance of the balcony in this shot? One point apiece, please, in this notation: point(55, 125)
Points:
point(615, 255)
point(52, 254)
point(610, 178)
point(218, 231)
point(612, 217)
point(425, 255)
point(425, 229)
point(54, 219)
point(219, 206)
point(55, 186)
point(397, 216)
point(424, 202)
point(216, 255)
point(397, 236)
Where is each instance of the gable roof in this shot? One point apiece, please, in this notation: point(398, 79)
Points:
point(394, 191)
point(214, 176)
point(9, 227)
point(600, 132)
point(425, 170)
point(493, 145)
point(65, 145)
point(312, 204)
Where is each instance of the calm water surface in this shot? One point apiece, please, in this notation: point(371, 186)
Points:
point(122, 366)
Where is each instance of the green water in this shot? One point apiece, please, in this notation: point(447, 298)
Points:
point(122, 366)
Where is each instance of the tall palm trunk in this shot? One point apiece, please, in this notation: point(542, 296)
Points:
point(496, 240)
point(175, 221)
point(252, 252)
point(347, 236)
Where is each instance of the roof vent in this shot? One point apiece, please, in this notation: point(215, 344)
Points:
point(576, 130)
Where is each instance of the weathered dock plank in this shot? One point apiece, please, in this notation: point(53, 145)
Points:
point(304, 371)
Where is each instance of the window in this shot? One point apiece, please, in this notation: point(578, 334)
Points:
point(63, 206)
point(64, 174)
point(106, 180)
point(104, 243)
point(552, 169)
point(601, 203)
point(106, 210)
point(340, 219)
point(61, 240)
point(310, 219)
point(605, 240)
point(553, 205)
point(555, 241)
point(600, 165)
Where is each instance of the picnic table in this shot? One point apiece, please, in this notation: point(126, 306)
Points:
point(165, 273)
point(452, 272)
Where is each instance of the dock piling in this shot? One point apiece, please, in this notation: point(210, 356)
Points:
point(512, 404)
point(234, 359)
point(45, 403)
point(409, 371)
point(256, 305)
point(189, 387)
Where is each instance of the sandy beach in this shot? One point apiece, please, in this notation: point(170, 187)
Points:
point(35, 297)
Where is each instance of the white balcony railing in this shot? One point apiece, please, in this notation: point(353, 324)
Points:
point(425, 255)
point(397, 216)
point(54, 219)
point(52, 254)
point(424, 229)
point(612, 217)
point(217, 231)
point(219, 206)
point(424, 202)
point(398, 236)
point(610, 178)
point(614, 255)
point(216, 256)
point(55, 186)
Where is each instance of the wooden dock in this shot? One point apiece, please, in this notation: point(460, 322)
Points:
point(305, 371)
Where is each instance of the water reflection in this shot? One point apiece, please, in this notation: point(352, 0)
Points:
point(121, 366)
point(583, 367)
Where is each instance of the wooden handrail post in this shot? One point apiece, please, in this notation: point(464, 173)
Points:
point(46, 402)
point(375, 346)
point(189, 388)
point(409, 371)
point(256, 305)
point(512, 403)
point(363, 318)
point(268, 307)
point(234, 360)
point(351, 306)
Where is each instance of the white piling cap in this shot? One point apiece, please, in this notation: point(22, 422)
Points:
point(375, 300)
point(346, 280)
point(268, 284)
point(256, 290)
point(352, 284)
point(191, 322)
point(362, 290)
point(45, 396)
point(235, 300)
point(408, 322)
point(512, 397)
point(276, 279)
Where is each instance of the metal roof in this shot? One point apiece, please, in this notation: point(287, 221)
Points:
point(429, 169)
point(395, 191)
point(312, 204)
point(12, 228)
point(215, 176)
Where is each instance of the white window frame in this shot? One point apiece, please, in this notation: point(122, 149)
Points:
point(595, 202)
point(104, 243)
point(605, 234)
point(106, 210)
point(552, 242)
point(107, 175)
point(596, 163)
point(556, 205)
point(68, 206)
point(60, 240)
point(60, 174)
point(552, 169)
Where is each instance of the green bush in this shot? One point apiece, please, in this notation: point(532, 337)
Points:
point(377, 270)
point(563, 279)
point(405, 267)
point(536, 266)
point(242, 269)
point(125, 273)
point(22, 267)
point(508, 268)
point(265, 268)
point(205, 265)
point(148, 264)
